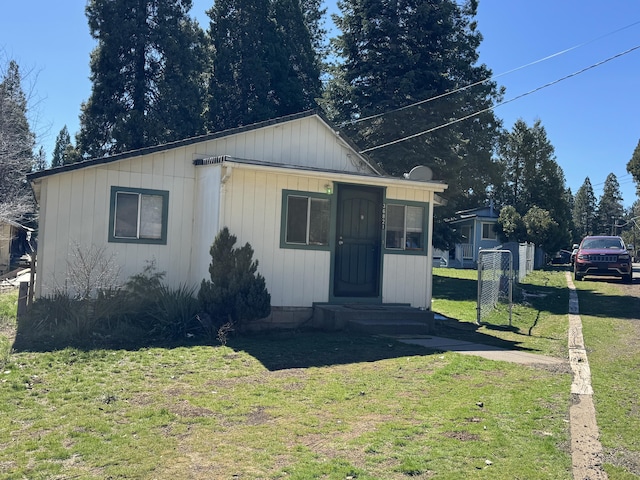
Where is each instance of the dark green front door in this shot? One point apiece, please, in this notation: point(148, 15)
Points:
point(356, 270)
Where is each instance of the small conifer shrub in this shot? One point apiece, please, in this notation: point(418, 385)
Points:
point(236, 293)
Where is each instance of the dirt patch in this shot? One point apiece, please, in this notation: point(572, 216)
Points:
point(462, 436)
point(624, 459)
point(186, 410)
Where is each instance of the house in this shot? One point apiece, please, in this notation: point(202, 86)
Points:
point(325, 224)
point(15, 246)
point(477, 230)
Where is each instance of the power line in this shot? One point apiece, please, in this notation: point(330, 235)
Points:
point(480, 82)
point(621, 177)
point(480, 112)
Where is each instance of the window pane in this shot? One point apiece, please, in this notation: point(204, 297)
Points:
point(296, 219)
point(465, 232)
point(319, 222)
point(126, 217)
point(395, 226)
point(488, 233)
point(151, 216)
point(415, 237)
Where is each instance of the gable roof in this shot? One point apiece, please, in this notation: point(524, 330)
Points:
point(203, 138)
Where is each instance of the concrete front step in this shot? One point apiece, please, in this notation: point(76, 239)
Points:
point(374, 319)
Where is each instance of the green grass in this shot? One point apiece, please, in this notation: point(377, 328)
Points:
point(611, 329)
point(8, 309)
point(539, 314)
point(297, 405)
point(305, 405)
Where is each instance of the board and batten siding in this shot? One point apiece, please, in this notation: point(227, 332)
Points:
point(306, 142)
point(5, 246)
point(75, 217)
point(407, 278)
point(252, 212)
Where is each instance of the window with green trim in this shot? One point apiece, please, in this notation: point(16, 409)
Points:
point(405, 227)
point(306, 219)
point(138, 215)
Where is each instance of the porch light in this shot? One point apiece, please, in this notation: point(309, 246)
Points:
point(328, 189)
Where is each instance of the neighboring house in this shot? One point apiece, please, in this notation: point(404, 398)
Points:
point(325, 225)
point(14, 244)
point(477, 229)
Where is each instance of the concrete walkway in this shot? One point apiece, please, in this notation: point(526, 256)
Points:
point(586, 450)
point(486, 351)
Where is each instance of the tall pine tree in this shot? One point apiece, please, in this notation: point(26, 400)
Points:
point(584, 211)
point(406, 67)
point(314, 15)
point(264, 63)
point(531, 177)
point(610, 208)
point(63, 142)
point(633, 167)
point(147, 74)
point(17, 143)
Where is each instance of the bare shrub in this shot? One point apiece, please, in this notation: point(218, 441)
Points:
point(90, 271)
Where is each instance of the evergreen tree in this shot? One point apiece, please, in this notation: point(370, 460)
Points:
point(630, 228)
point(236, 293)
point(264, 64)
point(397, 63)
point(610, 208)
point(63, 141)
point(584, 211)
point(633, 167)
point(72, 155)
point(531, 177)
point(40, 160)
point(17, 142)
point(314, 20)
point(147, 76)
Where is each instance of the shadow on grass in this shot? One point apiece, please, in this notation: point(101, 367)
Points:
point(544, 298)
point(624, 306)
point(449, 288)
point(281, 350)
point(468, 332)
point(275, 350)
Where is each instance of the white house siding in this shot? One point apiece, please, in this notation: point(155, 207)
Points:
point(75, 214)
point(252, 212)
point(306, 142)
point(407, 278)
point(74, 207)
point(5, 243)
point(208, 200)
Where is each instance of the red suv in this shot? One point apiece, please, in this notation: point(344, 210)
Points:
point(604, 256)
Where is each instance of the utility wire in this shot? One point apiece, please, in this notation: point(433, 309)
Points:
point(480, 82)
point(480, 112)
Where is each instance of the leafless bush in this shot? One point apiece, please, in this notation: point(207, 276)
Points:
point(90, 271)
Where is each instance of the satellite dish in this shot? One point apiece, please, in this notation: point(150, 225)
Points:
point(421, 173)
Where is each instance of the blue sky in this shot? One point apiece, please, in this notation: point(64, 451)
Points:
point(592, 119)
